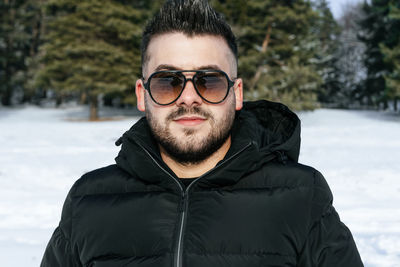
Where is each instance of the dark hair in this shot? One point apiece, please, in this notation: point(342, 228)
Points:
point(191, 17)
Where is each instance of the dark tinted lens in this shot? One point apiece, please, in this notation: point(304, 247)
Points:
point(165, 87)
point(213, 86)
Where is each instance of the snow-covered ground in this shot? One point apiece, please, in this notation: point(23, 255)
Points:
point(42, 152)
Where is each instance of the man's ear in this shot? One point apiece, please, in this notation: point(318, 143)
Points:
point(140, 91)
point(238, 88)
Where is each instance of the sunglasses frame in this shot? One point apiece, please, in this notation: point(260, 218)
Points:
point(185, 80)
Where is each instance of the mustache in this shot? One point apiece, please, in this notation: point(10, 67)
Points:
point(188, 111)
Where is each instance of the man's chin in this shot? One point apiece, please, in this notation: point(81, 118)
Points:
point(187, 145)
point(187, 150)
point(187, 156)
point(190, 151)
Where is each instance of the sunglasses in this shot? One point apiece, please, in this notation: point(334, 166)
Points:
point(166, 86)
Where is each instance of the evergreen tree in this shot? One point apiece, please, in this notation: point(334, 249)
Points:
point(326, 32)
point(16, 43)
point(377, 32)
point(351, 55)
point(392, 55)
point(92, 48)
point(37, 21)
point(275, 45)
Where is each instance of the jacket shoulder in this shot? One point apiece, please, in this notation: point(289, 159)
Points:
point(299, 181)
point(306, 176)
point(309, 176)
point(292, 175)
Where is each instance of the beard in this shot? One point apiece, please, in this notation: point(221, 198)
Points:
point(192, 149)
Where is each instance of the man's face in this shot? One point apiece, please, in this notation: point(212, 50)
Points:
point(190, 129)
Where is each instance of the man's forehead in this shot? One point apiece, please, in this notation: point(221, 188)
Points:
point(180, 51)
point(173, 67)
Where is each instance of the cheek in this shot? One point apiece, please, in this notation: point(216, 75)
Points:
point(228, 108)
point(220, 115)
point(156, 113)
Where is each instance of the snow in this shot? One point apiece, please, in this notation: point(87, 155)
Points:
point(359, 154)
point(43, 151)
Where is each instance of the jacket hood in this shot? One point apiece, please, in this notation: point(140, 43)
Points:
point(271, 126)
point(262, 131)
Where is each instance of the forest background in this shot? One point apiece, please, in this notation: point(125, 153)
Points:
point(54, 52)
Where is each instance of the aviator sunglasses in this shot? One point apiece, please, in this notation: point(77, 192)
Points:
point(166, 86)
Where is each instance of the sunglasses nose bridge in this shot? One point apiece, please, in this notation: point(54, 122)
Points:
point(187, 79)
point(189, 94)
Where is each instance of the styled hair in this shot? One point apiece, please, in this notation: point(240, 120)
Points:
point(191, 17)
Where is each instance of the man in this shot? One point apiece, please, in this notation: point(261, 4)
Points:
point(202, 180)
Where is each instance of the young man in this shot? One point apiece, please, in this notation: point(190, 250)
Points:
point(202, 180)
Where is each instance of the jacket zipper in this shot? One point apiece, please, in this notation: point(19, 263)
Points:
point(185, 200)
point(178, 253)
point(182, 209)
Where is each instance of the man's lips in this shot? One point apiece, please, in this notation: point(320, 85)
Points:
point(189, 120)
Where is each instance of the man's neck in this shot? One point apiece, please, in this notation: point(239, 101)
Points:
point(198, 169)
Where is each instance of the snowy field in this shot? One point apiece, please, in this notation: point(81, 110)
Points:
point(43, 151)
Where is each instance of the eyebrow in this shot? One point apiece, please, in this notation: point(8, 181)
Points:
point(172, 67)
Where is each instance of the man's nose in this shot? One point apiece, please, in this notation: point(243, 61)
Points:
point(189, 96)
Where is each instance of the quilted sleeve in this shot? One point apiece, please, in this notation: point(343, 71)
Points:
point(329, 242)
point(59, 250)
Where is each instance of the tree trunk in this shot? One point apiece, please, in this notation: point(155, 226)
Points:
point(369, 101)
point(6, 96)
point(83, 98)
point(385, 104)
point(94, 111)
point(59, 99)
point(266, 39)
point(395, 104)
point(264, 49)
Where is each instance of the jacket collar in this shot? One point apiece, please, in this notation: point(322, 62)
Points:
point(261, 131)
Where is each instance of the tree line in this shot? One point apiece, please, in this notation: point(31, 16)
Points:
point(292, 51)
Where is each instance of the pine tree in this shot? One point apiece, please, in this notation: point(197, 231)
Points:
point(16, 17)
point(392, 55)
point(326, 32)
point(92, 48)
point(351, 55)
point(34, 13)
point(377, 32)
point(275, 43)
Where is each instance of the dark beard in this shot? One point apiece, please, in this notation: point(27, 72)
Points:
point(188, 154)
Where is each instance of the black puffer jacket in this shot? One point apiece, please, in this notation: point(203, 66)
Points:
point(257, 207)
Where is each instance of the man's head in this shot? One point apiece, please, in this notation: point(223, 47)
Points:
point(195, 122)
point(191, 17)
